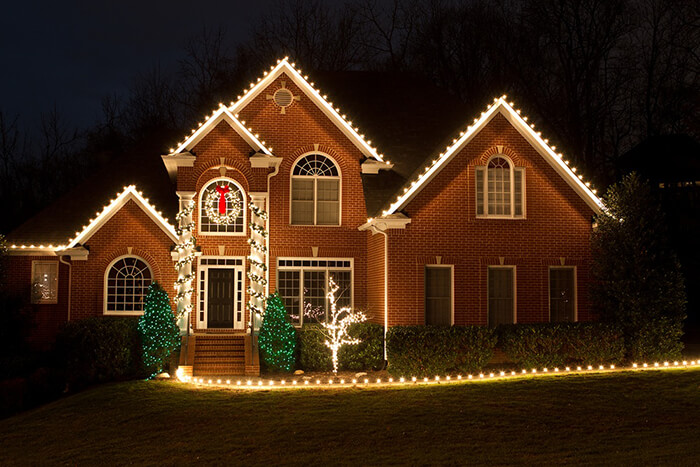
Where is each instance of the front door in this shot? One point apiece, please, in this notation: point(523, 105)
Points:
point(221, 298)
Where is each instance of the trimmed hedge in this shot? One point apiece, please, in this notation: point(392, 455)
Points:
point(100, 349)
point(435, 350)
point(656, 340)
point(552, 345)
point(367, 355)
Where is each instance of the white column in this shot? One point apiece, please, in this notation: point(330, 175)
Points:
point(257, 260)
point(185, 250)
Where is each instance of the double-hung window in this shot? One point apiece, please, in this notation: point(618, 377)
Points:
point(562, 293)
point(303, 286)
point(500, 189)
point(501, 295)
point(315, 191)
point(438, 295)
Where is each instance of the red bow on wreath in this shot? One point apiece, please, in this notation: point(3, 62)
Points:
point(222, 190)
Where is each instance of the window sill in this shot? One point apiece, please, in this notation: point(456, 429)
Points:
point(45, 302)
point(512, 218)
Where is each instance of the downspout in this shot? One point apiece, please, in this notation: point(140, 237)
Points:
point(386, 284)
point(267, 227)
point(60, 260)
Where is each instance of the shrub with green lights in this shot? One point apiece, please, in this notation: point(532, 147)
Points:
point(277, 338)
point(160, 335)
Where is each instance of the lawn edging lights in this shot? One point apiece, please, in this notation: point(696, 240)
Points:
point(338, 383)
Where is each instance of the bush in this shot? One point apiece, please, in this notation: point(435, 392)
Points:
point(367, 355)
point(534, 346)
point(435, 350)
point(96, 350)
point(552, 345)
point(594, 343)
point(656, 340)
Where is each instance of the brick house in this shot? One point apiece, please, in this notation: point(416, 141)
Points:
point(459, 224)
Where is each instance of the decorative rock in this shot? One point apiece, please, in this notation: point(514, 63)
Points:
point(360, 374)
point(163, 375)
point(306, 378)
point(299, 372)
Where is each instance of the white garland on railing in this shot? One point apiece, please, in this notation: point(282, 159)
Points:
point(187, 279)
point(257, 276)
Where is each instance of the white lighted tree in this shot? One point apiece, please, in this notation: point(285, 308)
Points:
point(335, 327)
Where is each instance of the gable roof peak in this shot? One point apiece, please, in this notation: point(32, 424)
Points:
point(519, 122)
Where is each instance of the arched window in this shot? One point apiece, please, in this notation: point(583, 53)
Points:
point(222, 217)
point(500, 189)
point(126, 285)
point(315, 191)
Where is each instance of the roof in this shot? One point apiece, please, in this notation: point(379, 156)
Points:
point(680, 153)
point(59, 222)
point(539, 143)
point(405, 114)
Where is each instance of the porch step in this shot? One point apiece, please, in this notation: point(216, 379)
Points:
point(220, 355)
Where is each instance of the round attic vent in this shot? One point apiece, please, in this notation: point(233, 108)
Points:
point(283, 97)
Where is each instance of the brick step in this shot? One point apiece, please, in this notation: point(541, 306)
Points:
point(220, 352)
point(238, 370)
point(220, 348)
point(218, 362)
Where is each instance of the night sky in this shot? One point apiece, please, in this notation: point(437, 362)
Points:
point(71, 54)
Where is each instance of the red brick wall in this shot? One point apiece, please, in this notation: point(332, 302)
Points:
point(129, 227)
point(46, 318)
point(292, 134)
point(444, 223)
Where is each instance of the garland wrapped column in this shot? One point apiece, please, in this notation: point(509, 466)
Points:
point(185, 256)
point(257, 272)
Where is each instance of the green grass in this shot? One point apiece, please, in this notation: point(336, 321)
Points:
point(644, 417)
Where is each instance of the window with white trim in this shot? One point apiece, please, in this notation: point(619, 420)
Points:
point(126, 285)
point(501, 295)
point(232, 191)
point(44, 281)
point(438, 295)
point(303, 286)
point(500, 189)
point(562, 294)
point(315, 191)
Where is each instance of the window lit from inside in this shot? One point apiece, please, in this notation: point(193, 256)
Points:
point(438, 295)
point(207, 225)
point(128, 280)
point(500, 189)
point(562, 294)
point(44, 282)
point(315, 191)
point(303, 286)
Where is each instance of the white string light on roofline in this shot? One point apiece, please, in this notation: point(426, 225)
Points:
point(323, 98)
point(464, 135)
point(99, 215)
point(452, 379)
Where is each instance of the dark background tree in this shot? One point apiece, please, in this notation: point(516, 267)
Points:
point(639, 285)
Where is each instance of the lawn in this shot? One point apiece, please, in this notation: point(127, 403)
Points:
point(641, 417)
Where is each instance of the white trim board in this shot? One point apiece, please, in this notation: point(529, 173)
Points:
point(534, 138)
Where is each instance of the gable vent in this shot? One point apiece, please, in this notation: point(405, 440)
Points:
point(283, 97)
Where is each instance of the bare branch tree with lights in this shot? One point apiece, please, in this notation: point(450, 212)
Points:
point(335, 328)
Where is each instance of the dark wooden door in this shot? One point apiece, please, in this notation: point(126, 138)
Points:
point(220, 298)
